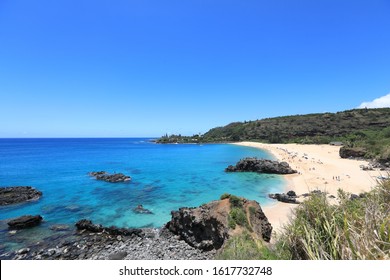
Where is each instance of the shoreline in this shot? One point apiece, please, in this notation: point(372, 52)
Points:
point(319, 168)
point(147, 244)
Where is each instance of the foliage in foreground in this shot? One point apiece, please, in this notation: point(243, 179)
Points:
point(354, 229)
point(245, 247)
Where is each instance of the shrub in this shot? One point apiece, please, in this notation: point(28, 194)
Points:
point(231, 223)
point(238, 216)
point(235, 201)
point(244, 247)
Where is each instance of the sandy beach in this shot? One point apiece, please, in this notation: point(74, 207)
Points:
point(319, 167)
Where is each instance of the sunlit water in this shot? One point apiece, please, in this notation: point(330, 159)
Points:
point(164, 178)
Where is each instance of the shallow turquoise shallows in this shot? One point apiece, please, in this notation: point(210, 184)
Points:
point(164, 178)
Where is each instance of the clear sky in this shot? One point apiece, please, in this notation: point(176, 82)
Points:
point(124, 68)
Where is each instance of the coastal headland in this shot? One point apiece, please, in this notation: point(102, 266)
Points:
point(319, 167)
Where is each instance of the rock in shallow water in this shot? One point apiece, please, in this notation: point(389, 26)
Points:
point(111, 178)
point(141, 210)
point(25, 222)
point(13, 195)
point(91, 227)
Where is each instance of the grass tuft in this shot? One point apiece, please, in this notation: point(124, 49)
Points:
point(353, 229)
point(244, 247)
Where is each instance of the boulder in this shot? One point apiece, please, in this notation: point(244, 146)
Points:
point(346, 152)
point(282, 197)
point(207, 227)
point(117, 255)
point(291, 194)
point(261, 166)
point(13, 195)
point(25, 222)
point(111, 178)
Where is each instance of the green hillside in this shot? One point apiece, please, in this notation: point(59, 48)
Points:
point(316, 127)
point(363, 128)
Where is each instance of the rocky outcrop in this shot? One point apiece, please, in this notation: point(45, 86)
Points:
point(25, 222)
point(13, 195)
point(192, 234)
point(199, 227)
point(346, 152)
point(261, 166)
point(111, 178)
point(207, 227)
point(290, 197)
point(87, 225)
point(258, 221)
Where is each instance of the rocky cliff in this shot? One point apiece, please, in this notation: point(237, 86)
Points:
point(207, 227)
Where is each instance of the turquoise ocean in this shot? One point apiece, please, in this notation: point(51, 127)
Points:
point(164, 178)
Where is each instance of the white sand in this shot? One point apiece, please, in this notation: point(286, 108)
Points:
point(320, 167)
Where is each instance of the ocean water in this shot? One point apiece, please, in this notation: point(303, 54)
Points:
point(164, 178)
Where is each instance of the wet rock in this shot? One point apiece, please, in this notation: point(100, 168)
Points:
point(111, 178)
point(141, 210)
point(261, 166)
point(25, 222)
point(23, 251)
point(13, 195)
point(91, 227)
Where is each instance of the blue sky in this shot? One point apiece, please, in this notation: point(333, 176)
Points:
point(145, 68)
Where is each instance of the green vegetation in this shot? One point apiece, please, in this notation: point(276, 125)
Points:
point(311, 128)
point(375, 142)
point(235, 201)
point(237, 214)
point(365, 128)
point(353, 229)
point(244, 247)
point(173, 139)
point(238, 217)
